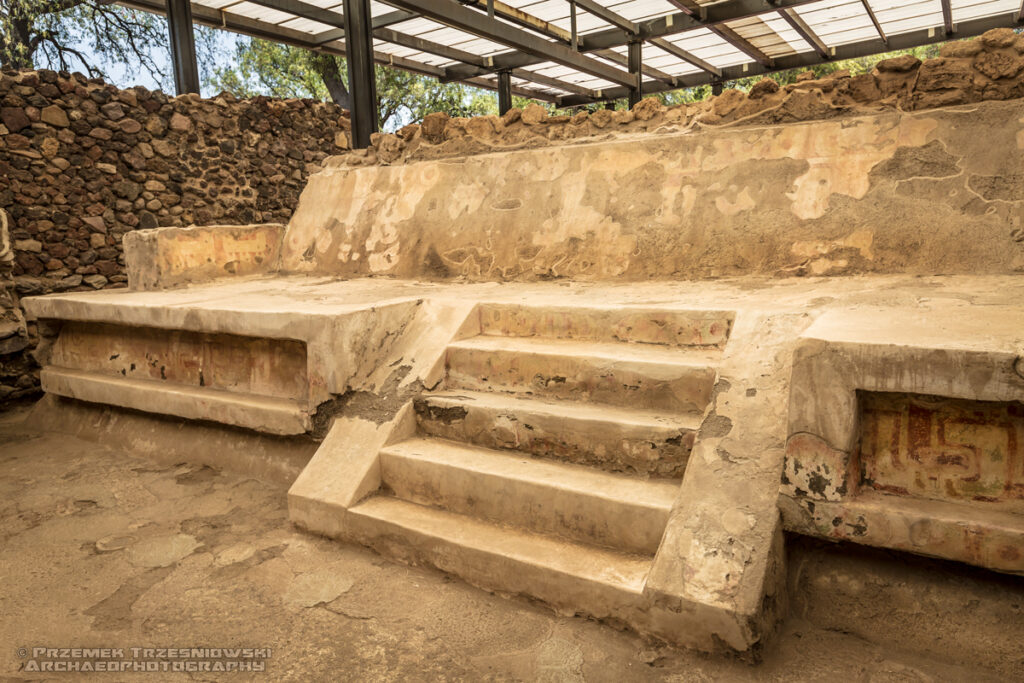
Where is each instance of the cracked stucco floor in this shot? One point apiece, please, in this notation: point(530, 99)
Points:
point(102, 548)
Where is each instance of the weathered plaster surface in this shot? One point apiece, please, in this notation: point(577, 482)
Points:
point(171, 257)
point(716, 578)
point(249, 365)
point(836, 485)
point(722, 548)
point(890, 192)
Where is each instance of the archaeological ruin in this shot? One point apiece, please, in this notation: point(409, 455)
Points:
point(719, 376)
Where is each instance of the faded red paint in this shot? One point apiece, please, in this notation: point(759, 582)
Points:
point(943, 449)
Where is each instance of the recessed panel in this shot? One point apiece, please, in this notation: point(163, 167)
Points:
point(943, 449)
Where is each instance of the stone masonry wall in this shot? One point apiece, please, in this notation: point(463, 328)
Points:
point(82, 163)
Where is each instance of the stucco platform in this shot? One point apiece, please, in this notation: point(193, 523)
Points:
point(350, 358)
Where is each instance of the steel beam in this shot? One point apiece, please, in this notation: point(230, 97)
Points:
point(803, 60)
point(696, 16)
point(727, 34)
point(947, 17)
point(713, 16)
point(496, 8)
point(333, 18)
point(540, 79)
point(183, 46)
point(625, 24)
point(382, 21)
point(574, 34)
point(455, 15)
point(504, 91)
point(878, 26)
point(657, 74)
point(636, 63)
point(362, 82)
point(226, 21)
point(742, 44)
point(492, 84)
point(428, 46)
point(608, 15)
point(806, 32)
point(677, 51)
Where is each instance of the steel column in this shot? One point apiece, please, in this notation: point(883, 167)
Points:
point(636, 63)
point(183, 46)
point(362, 83)
point(504, 91)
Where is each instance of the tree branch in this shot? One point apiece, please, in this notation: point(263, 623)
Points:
point(64, 64)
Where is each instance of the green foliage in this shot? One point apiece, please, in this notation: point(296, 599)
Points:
point(261, 67)
point(91, 35)
point(406, 97)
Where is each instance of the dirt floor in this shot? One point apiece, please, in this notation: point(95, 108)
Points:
point(105, 549)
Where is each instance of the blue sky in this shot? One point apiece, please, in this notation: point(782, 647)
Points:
point(125, 76)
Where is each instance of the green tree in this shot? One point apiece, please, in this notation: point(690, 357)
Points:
point(91, 35)
point(262, 67)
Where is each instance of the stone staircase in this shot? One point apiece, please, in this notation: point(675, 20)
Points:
point(548, 461)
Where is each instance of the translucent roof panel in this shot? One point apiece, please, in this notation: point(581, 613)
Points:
point(965, 11)
point(416, 41)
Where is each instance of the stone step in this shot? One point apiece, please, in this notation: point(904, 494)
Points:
point(570, 501)
point(646, 325)
point(252, 411)
point(570, 576)
point(634, 375)
point(613, 438)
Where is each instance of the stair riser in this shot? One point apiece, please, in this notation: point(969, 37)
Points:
point(544, 507)
point(492, 571)
point(672, 388)
point(646, 326)
point(610, 446)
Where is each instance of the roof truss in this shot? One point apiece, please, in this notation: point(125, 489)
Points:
point(593, 56)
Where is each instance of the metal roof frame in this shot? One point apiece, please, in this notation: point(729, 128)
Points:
point(537, 48)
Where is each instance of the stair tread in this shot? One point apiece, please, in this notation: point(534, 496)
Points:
point(582, 479)
point(570, 409)
point(591, 563)
point(631, 352)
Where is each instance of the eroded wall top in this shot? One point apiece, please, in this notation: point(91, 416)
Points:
point(987, 68)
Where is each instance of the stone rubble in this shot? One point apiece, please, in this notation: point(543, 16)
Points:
point(985, 68)
point(83, 163)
